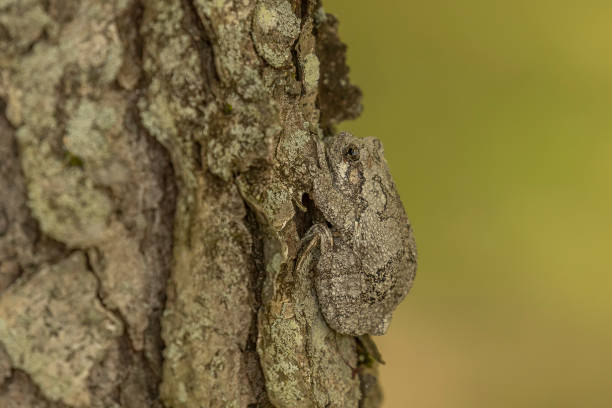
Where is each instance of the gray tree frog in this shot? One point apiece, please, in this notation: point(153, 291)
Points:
point(367, 259)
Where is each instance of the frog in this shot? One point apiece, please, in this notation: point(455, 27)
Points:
point(366, 252)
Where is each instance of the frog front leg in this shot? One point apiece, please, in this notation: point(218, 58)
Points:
point(319, 236)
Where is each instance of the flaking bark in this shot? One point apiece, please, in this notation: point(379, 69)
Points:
point(154, 167)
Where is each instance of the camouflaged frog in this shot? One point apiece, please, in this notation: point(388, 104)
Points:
point(367, 258)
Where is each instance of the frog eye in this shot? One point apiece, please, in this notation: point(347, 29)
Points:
point(351, 153)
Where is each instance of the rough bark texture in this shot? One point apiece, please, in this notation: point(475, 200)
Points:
point(154, 162)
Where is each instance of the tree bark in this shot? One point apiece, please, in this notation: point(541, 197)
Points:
point(154, 187)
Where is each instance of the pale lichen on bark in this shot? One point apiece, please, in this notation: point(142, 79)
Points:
point(97, 190)
point(40, 334)
point(165, 149)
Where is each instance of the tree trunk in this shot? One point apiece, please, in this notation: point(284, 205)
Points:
point(153, 162)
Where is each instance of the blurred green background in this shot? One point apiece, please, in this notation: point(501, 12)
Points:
point(496, 118)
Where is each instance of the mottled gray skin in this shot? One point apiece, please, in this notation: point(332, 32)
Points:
point(367, 256)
